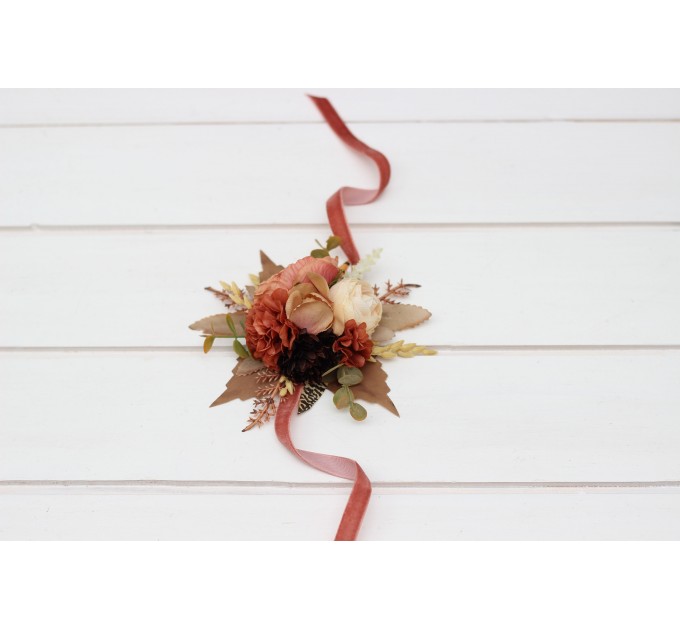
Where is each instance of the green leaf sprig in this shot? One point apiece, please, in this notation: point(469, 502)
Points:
point(239, 348)
point(344, 397)
point(332, 242)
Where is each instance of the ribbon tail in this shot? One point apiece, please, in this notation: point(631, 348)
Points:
point(331, 464)
point(335, 206)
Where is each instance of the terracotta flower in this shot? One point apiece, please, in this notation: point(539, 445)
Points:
point(268, 329)
point(354, 345)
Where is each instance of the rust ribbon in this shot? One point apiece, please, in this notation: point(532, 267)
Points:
point(335, 206)
point(331, 464)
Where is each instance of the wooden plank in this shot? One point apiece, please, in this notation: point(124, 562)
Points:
point(485, 287)
point(282, 174)
point(89, 106)
point(465, 417)
point(652, 514)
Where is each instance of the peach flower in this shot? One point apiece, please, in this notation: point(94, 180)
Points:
point(308, 305)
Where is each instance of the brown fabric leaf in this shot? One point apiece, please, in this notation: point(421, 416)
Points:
point(373, 388)
point(382, 334)
point(243, 387)
point(248, 366)
point(401, 316)
point(217, 324)
point(269, 268)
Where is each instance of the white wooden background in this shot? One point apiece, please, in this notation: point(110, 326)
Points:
point(544, 226)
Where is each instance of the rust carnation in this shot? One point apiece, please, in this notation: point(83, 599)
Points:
point(354, 345)
point(268, 330)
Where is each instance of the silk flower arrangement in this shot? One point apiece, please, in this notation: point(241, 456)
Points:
point(317, 325)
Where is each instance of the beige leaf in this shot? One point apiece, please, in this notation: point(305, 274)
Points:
point(269, 268)
point(373, 388)
point(401, 316)
point(382, 334)
point(248, 366)
point(217, 324)
point(243, 387)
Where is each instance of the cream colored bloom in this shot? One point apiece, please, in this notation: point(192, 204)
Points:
point(354, 299)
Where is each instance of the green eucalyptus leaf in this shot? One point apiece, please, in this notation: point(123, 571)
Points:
point(333, 242)
point(230, 323)
point(240, 349)
point(357, 411)
point(320, 253)
point(349, 376)
point(341, 398)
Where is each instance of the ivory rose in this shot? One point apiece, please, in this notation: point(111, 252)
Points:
point(354, 299)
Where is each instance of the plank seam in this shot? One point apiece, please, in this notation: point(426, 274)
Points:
point(426, 485)
point(403, 121)
point(405, 226)
point(442, 349)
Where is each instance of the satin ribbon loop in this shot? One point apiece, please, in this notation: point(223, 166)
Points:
point(335, 206)
point(331, 464)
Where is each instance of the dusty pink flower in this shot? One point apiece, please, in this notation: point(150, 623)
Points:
point(298, 273)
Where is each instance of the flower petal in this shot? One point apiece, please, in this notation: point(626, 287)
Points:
point(298, 273)
point(320, 283)
point(294, 300)
point(313, 315)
